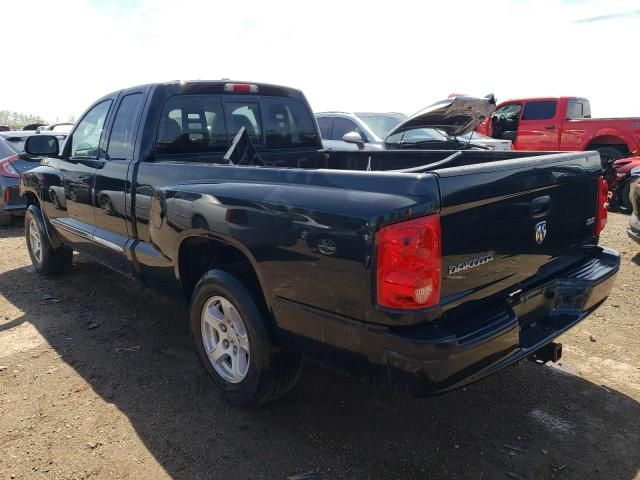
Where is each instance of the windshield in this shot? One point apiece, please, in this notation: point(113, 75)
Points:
point(381, 123)
point(418, 135)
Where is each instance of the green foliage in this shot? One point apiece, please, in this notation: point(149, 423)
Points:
point(17, 120)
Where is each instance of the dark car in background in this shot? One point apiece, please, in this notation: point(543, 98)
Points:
point(12, 164)
point(14, 161)
point(619, 179)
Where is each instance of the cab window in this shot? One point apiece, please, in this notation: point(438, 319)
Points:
point(288, 124)
point(577, 108)
point(342, 126)
point(191, 124)
point(539, 110)
point(324, 123)
point(122, 132)
point(85, 141)
point(244, 114)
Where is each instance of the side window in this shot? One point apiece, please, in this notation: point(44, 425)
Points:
point(542, 110)
point(341, 126)
point(578, 109)
point(325, 124)
point(121, 140)
point(86, 137)
point(288, 123)
point(510, 111)
point(244, 114)
point(191, 124)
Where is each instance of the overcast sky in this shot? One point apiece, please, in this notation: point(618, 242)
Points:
point(376, 56)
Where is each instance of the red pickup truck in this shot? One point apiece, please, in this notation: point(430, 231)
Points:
point(562, 123)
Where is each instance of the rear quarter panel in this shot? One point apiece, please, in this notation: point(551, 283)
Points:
point(579, 134)
point(279, 217)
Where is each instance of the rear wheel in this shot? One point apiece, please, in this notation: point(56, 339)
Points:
point(230, 333)
point(608, 155)
point(46, 259)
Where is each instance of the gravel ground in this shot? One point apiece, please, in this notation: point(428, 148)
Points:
point(98, 380)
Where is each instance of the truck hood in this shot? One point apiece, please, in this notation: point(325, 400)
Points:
point(455, 116)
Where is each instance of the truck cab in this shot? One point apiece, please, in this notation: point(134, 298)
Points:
point(562, 123)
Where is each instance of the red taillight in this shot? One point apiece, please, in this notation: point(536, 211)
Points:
point(240, 88)
point(603, 197)
point(8, 170)
point(409, 264)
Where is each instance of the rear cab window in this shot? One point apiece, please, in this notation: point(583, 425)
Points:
point(191, 124)
point(207, 124)
point(578, 108)
point(539, 110)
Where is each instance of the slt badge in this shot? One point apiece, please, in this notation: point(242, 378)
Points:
point(541, 232)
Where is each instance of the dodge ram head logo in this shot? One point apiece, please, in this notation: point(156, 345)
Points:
point(541, 232)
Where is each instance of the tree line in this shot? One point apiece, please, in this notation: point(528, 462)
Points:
point(18, 120)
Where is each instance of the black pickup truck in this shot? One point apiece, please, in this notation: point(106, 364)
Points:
point(425, 270)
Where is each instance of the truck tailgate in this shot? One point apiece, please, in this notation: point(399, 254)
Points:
point(504, 222)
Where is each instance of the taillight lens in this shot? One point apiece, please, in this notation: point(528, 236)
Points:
point(8, 170)
point(603, 197)
point(409, 264)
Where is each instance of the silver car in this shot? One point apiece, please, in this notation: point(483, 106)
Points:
point(429, 127)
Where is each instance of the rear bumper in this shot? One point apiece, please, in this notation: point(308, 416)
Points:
point(434, 358)
point(10, 200)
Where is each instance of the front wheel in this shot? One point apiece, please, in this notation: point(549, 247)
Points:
point(46, 259)
point(230, 333)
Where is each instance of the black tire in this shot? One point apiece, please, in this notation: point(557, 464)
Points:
point(272, 372)
point(625, 201)
point(51, 261)
point(5, 219)
point(608, 155)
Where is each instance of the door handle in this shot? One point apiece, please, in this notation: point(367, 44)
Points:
point(540, 206)
point(550, 127)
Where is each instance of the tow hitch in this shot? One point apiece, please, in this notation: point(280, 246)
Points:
point(551, 352)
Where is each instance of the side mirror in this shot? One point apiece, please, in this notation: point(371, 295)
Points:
point(354, 137)
point(42, 145)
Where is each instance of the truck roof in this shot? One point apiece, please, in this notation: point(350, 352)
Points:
point(538, 99)
point(186, 87)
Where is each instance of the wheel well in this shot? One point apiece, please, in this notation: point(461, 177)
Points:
point(200, 254)
point(31, 198)
point(609, 141)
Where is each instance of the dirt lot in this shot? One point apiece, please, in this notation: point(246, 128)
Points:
point(98, 380)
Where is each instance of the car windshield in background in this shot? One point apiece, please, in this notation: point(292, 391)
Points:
point(418, 135)
point(6, 149)
point(16, 142)
point(381, 124)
